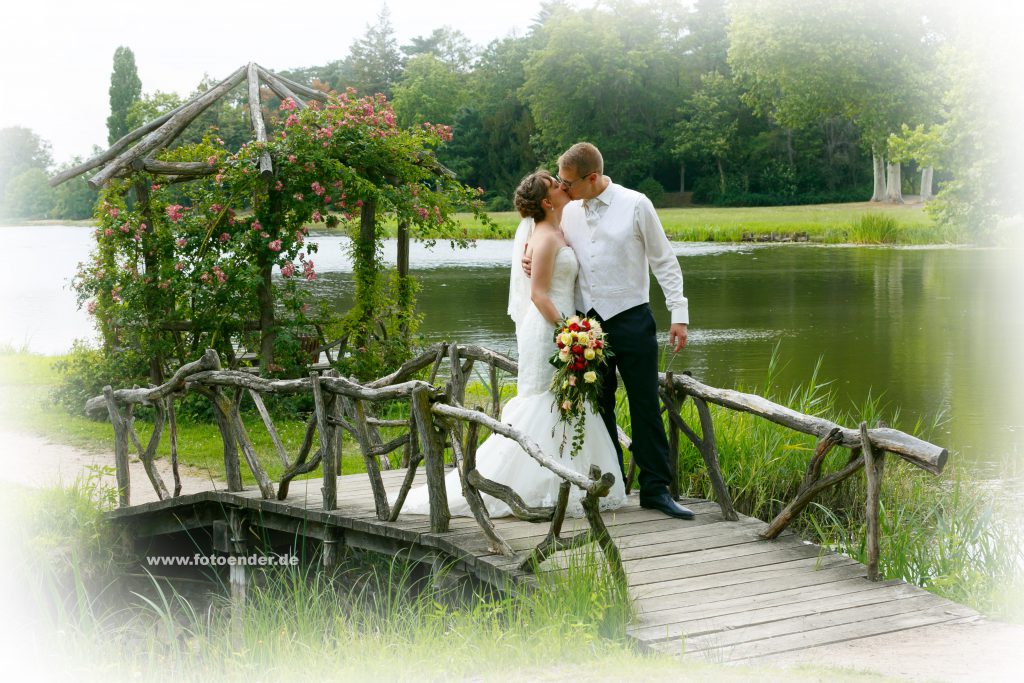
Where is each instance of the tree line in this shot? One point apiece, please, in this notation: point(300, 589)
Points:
point(741, 102)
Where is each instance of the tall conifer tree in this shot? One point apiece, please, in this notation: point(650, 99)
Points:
point(125, 90)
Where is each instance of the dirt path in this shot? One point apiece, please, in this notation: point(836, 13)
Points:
point(972, 651)
point(36, 462)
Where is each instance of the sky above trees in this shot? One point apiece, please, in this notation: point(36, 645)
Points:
point(55, 55)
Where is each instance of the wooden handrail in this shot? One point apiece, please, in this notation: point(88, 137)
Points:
point(437, 416)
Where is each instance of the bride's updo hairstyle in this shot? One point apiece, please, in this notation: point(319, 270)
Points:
point(531, 192)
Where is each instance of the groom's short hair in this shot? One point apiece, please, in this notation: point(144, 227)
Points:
point(584, 158)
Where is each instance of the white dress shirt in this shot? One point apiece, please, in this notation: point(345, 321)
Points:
point(618, 240)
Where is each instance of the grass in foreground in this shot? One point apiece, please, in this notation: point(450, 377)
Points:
point(373, 621)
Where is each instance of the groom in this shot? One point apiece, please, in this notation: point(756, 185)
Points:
point(616, 235)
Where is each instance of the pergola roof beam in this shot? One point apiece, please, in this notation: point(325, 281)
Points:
point(169, 130)
point(259, 128)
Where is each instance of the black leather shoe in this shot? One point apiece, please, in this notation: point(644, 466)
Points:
point(663, 502)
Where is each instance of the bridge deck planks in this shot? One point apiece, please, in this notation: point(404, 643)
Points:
point(706, 588)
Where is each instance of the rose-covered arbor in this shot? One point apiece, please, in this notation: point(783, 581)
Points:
point(188, 238)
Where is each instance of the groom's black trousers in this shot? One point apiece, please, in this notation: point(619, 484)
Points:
point(632, 338)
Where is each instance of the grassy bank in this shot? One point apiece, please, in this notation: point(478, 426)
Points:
point(825, 223)
point(852, 223)
point(947, 534)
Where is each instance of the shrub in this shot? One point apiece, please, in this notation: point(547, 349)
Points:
point(86, 370)
point(653, 189)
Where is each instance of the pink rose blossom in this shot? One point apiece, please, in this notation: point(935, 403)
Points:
point(175, 212)
point(211, 160)
point(180, 241)
point(224, 237)
point(275, 245)
point(288, 269)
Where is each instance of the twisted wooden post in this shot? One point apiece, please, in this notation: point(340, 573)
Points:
point(433, 453)
point(327, 460)
point(120, 449)
point(873, 467)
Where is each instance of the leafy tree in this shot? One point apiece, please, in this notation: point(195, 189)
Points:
point(74, 199)
point(374, 61)
point(150, 106)
point(125, 90)
point(491, 147)
point(430, 90)
point(20, 150)
point(866, 62)
point(609, 75)
point(450, 46)
point(28, 195)
point(705, 44)
point(709, 125)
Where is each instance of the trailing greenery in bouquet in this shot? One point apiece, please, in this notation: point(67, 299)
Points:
point(582, 350)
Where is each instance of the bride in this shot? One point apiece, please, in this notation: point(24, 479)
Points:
point(536, 305)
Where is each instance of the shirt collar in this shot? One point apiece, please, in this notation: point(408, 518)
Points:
point(603, 198)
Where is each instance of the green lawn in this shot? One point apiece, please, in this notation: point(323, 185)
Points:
point(829, 223)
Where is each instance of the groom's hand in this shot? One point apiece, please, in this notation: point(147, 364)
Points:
point(528, 269)
point(677, 336)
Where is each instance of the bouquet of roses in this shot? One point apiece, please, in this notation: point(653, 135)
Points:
point(577, 382)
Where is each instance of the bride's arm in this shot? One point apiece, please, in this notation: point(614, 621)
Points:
point(545, 250)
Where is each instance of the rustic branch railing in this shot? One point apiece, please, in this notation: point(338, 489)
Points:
point(867, 450)
point(437, 421)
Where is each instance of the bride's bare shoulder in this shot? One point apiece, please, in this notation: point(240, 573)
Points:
point(547, 235)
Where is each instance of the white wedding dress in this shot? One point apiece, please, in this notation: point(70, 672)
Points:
point(533, 412)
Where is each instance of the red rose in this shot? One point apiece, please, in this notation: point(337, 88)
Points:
point(585, 324)
point(579, 364)
point(560, 344)
point(598, 344)
point(574, 328)
point(577, 350)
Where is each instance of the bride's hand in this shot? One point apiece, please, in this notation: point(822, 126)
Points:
point(527, 265)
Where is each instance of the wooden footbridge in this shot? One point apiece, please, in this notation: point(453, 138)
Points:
point(723, 586)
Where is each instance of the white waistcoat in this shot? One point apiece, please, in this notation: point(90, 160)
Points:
point(616, 246)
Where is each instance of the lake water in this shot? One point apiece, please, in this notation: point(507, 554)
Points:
point(934, 330)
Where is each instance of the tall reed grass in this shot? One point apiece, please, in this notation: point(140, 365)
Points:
point(949, 534)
